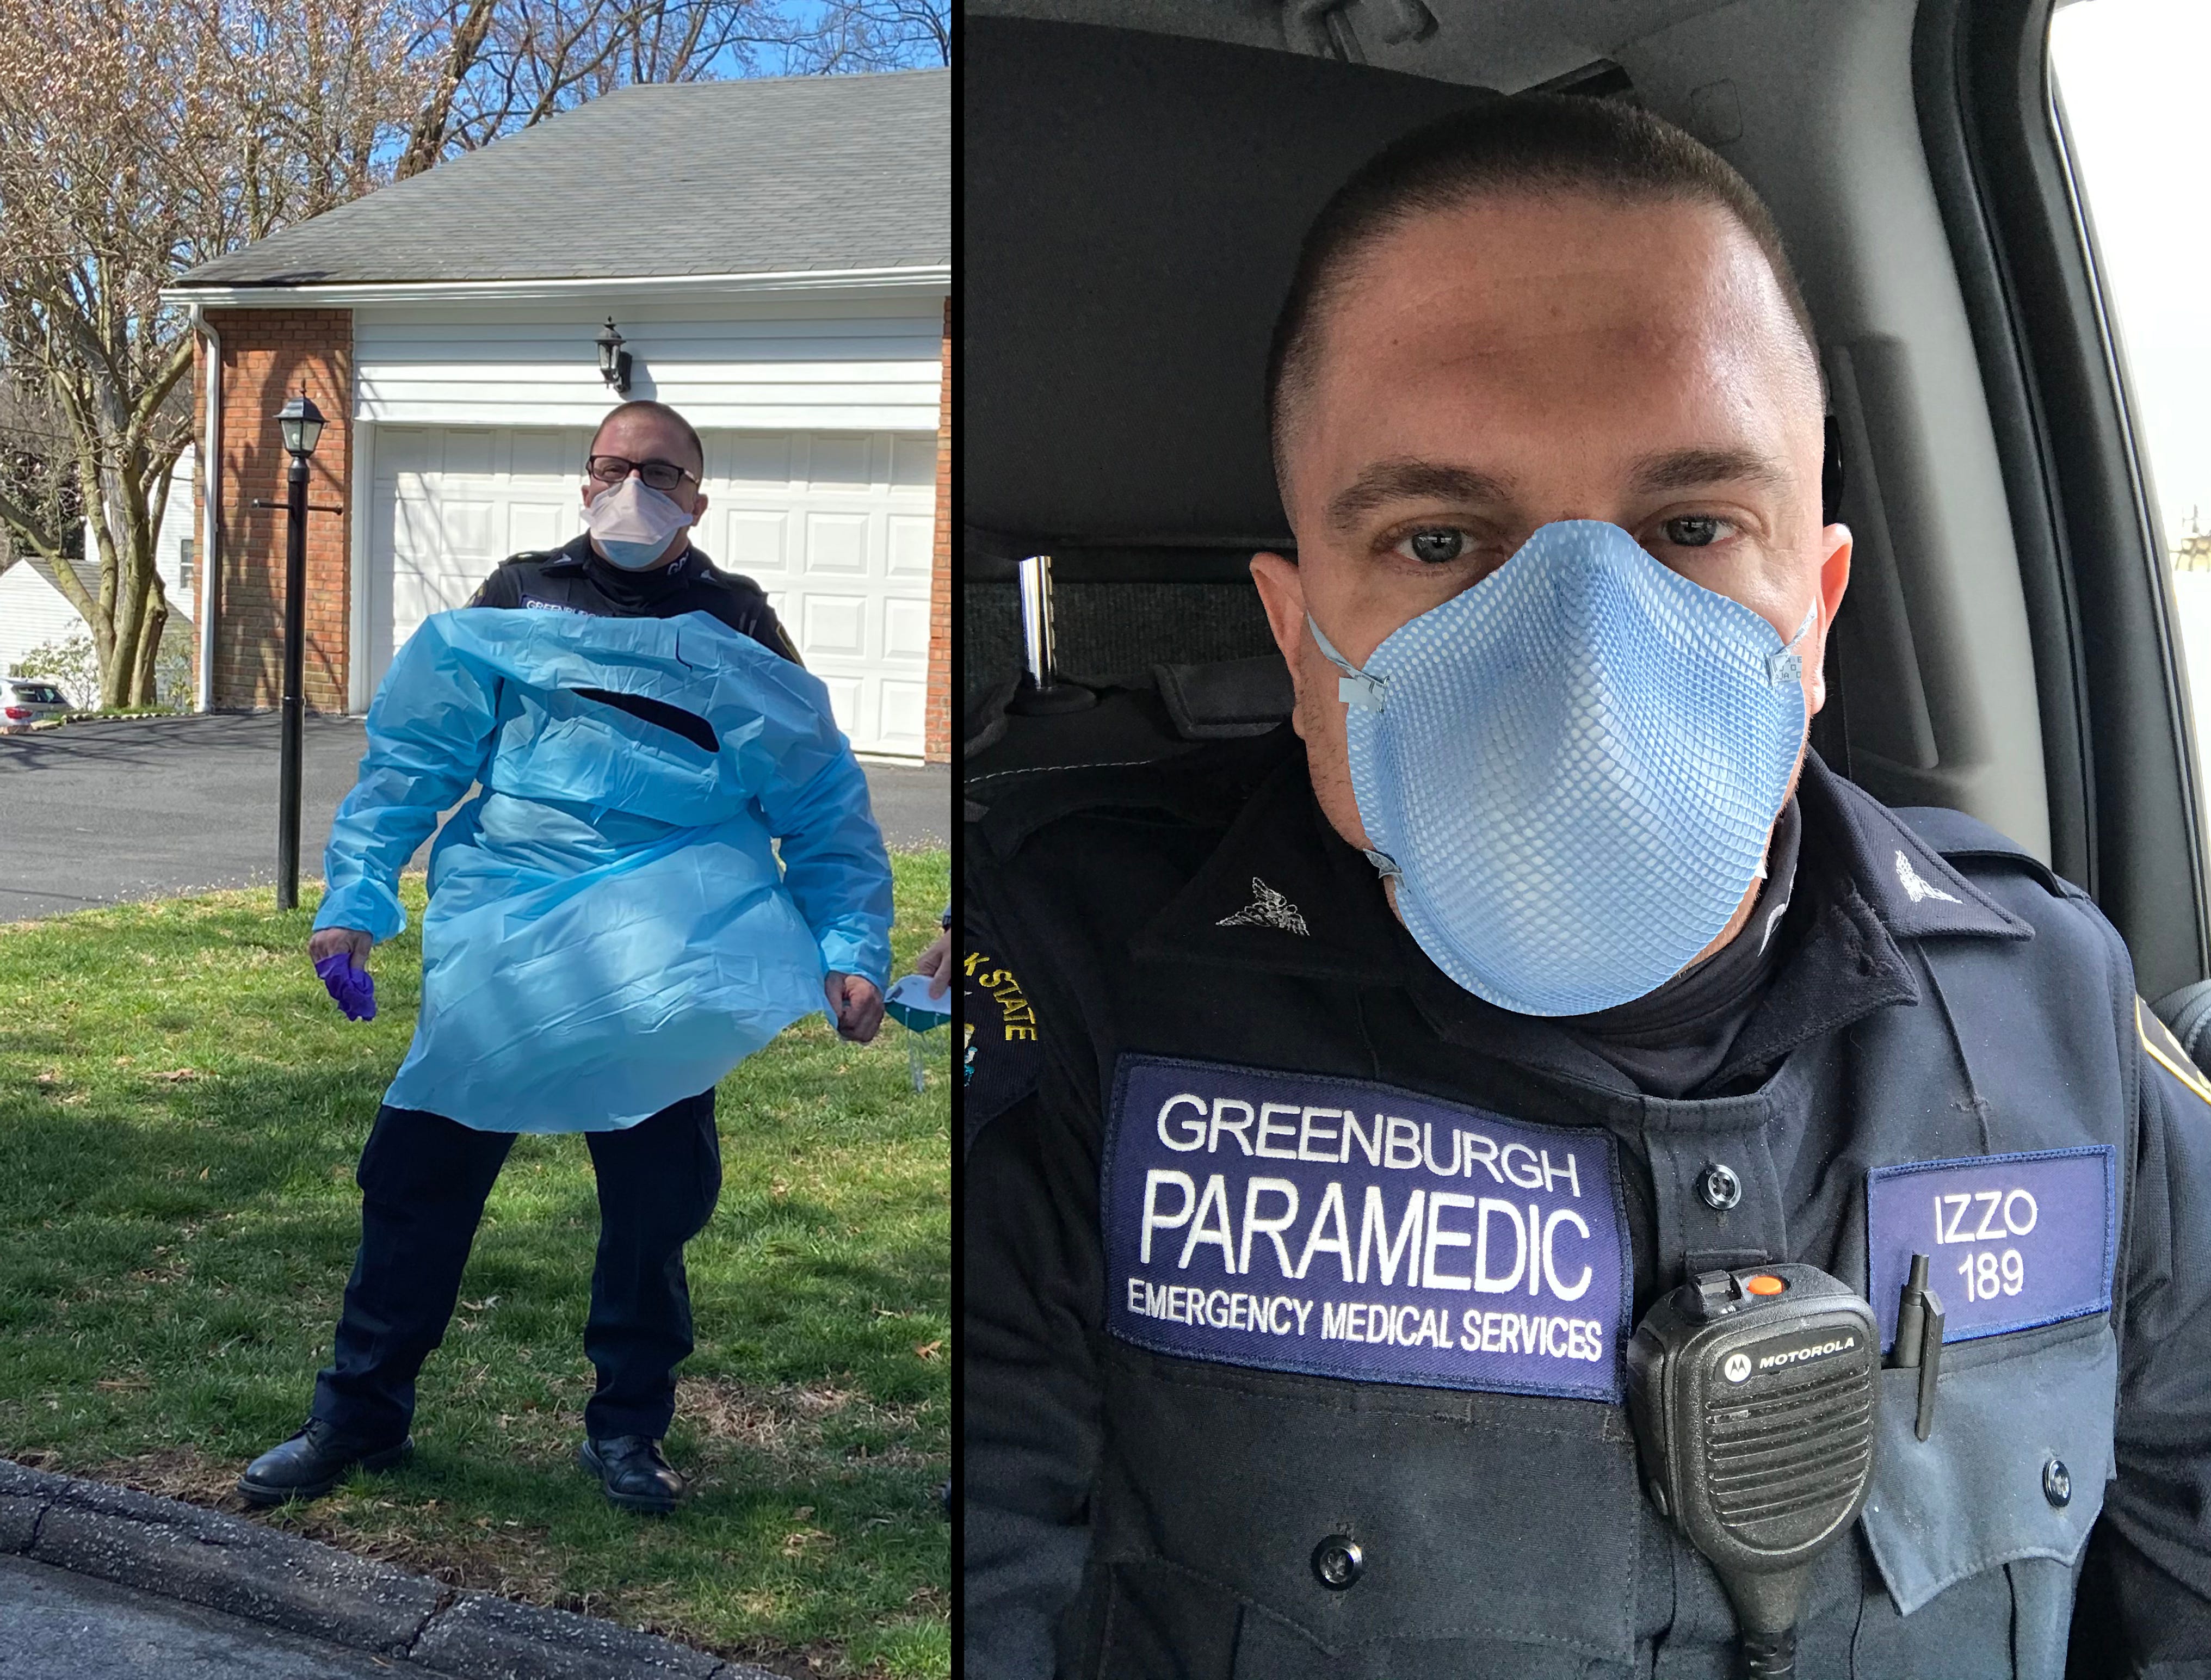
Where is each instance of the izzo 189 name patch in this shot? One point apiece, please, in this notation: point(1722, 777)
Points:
point(2013, 1241)
point(1353, 1230)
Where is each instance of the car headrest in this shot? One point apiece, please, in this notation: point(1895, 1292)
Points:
point(1134, 206)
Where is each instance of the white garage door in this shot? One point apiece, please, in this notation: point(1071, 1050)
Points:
point(836, 527)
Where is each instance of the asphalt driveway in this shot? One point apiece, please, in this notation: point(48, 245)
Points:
point(102, 812)
point(59, 1626)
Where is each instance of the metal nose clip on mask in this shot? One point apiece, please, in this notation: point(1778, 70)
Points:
point(1572, 768)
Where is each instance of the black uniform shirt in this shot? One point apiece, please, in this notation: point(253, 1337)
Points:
point(574, 579)
point(1137, 1505)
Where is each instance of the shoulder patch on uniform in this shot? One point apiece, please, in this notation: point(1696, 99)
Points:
point(2165, 1050)
point(987, 978)
point(1340, 1229)
point(1001, 1055)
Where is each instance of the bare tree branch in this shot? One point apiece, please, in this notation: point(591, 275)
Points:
point(138, 137)
point(141, 137)
point(427, 144)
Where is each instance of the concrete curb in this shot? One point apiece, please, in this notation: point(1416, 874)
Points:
point(241, 1568)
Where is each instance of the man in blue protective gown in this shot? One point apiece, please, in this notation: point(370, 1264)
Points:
point(609, 932)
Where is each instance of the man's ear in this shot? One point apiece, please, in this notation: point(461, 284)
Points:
point(1834, 579)
point(1282, 593)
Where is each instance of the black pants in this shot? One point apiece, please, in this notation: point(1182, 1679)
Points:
point(423, 1181)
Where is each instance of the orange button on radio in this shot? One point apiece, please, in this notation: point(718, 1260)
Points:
point(1765, 1283)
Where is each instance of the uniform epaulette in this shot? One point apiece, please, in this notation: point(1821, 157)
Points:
point(1192, 741)
point(1967, 842)
point(1204, 785)
point(2167, 1051)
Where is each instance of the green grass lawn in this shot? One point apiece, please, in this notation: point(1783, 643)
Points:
point(181, 1108)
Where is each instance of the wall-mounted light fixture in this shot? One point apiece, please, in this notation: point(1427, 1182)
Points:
point(613, 361)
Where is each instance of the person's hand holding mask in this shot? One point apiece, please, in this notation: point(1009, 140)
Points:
point(935, 964)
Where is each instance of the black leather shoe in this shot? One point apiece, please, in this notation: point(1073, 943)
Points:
point(311, 1463)
point(631, 1473)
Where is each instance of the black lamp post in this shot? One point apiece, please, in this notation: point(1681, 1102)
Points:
point(613, 361)
point(300, 424)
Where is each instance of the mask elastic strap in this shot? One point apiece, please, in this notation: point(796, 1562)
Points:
point(1355, 688)
point(1384, 864)
point(1785, 670)
point(1787, 667)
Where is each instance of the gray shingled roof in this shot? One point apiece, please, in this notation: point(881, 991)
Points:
point(755, 176)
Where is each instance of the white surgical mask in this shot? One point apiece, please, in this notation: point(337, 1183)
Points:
point(633, 522)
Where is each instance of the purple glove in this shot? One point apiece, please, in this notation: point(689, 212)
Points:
point(354, 989)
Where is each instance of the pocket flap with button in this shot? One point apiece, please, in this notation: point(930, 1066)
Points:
point(1356, 1515)
point(2015, 1467)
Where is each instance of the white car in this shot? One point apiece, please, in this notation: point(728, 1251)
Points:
point(25, 700)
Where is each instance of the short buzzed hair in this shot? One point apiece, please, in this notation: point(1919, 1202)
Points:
point(1544, 145)
point(664, 412)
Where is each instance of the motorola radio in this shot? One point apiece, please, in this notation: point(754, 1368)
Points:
point(1752, 1394)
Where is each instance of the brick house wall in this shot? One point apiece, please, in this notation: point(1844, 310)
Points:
point(266, 355)
point(937, 732)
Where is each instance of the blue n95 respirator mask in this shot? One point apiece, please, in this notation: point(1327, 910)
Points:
point(1572, 769)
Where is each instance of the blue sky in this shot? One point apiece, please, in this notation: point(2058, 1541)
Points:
point(807, 13)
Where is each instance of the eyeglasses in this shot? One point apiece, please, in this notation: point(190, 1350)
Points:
point(659, 474)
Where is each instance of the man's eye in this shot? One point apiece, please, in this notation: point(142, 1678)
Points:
point(1694, 530)
point(1434, 547)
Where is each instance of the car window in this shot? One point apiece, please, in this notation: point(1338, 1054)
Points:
point(2143, 172)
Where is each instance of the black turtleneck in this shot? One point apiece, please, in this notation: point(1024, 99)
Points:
point(575, 578)
point(1670, 1041)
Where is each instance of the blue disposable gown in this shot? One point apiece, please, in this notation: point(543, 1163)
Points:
point(608, 930)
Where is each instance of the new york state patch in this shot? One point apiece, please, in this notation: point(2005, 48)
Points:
point(1339, 1228)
